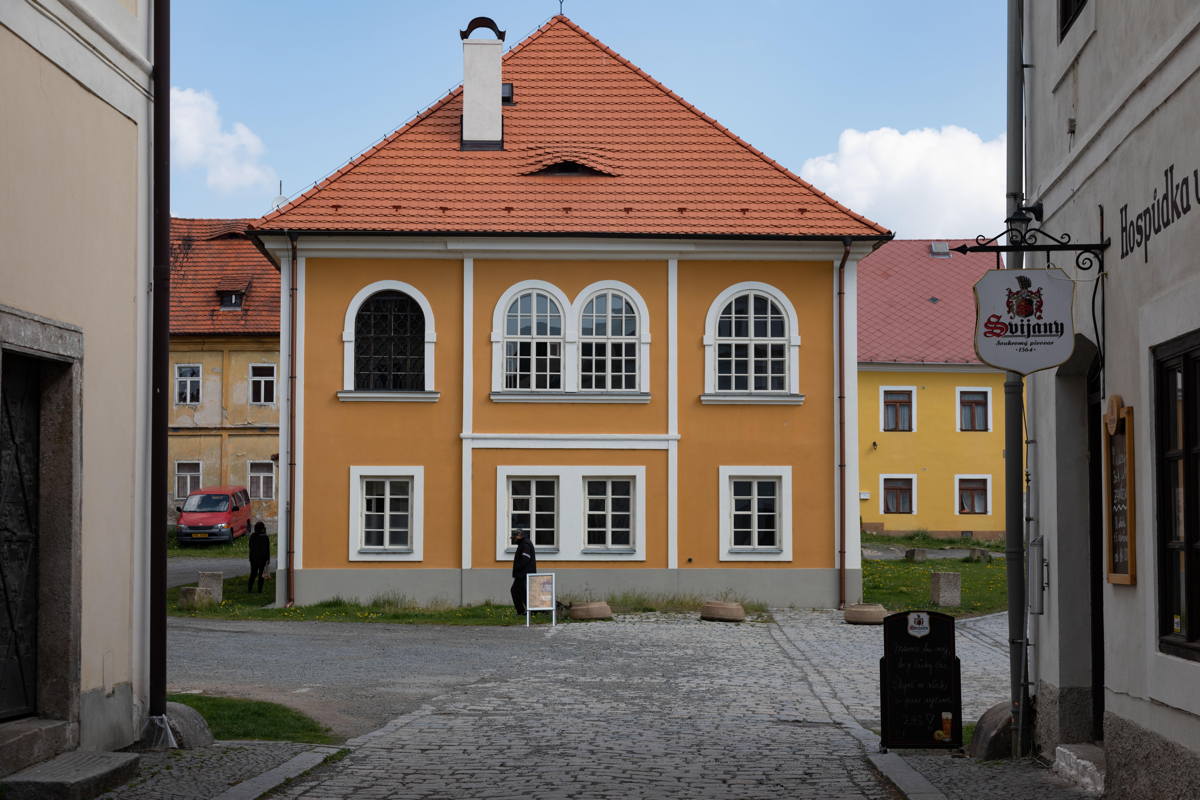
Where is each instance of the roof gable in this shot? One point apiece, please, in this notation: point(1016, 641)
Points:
point(654, 164)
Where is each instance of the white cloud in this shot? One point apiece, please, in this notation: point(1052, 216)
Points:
point(926, 183)
point(230, 158)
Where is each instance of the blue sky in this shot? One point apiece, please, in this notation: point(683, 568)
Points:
point(292, 89)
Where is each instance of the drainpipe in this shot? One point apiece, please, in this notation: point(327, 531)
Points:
point(841, 399)
point(159, 365)
point(291, 423)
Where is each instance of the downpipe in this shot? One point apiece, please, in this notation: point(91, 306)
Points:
point(841, 399)
point(290, 597)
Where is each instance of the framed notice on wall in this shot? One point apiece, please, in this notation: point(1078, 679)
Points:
point(1119, 485)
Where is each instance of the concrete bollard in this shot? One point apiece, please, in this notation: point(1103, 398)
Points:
point(215, 583)
point(946, 589)
point(864, 614)
point(717, 611)
point(195, 597)
point(915, 554)
point(596, 610)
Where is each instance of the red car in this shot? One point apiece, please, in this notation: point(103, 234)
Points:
point(217, 514)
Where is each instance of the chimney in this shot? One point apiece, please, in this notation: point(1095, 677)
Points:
point(482, 121)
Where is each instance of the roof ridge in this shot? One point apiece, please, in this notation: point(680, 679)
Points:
point(692, 108)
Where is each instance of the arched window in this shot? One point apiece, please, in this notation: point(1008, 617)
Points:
point(608, 343)
point(533, 342)
point(751, 347)
point(389, 344)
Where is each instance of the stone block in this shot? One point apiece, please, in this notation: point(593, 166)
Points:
point(718, 611)
point(864, 614)
point(188, 726)
point(71, 776)
point(195, 597)
point(993, 734)
point(914, 554)
point(215, 583)
point(1082, 764)
point(979, 555)
point(596, 610)
point(945, 589)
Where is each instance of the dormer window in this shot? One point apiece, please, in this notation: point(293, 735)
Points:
point(232, 299)
point(231, 292)
point(568, 168)
point(506, 94)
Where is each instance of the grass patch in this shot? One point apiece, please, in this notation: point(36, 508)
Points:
point(238, 548)
point(233, 718)
point(923, 539)
point(902, 585)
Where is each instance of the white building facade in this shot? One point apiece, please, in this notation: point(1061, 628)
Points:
point(1112, 150)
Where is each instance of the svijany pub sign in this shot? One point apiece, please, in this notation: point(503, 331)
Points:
point(1024, 319)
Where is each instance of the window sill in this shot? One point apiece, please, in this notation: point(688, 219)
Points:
point(1176, 645)
point(388, 397)
point(385, 551)
point(569, 397)
point(537, 551)
point(757, 551)
point(609, 551)
point(751, 399)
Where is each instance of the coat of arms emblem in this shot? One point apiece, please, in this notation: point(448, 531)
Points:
point(1025, 301)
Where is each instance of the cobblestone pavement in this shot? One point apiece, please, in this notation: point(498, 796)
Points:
point(677, 708)
point(205, 772)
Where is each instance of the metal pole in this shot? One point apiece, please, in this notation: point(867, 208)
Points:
point(1014, 454)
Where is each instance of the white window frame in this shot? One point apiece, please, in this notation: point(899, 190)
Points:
point(883, 498)
point(274, 381)
point(199, 379)
point(725, 478)
point(912, 393)
point(984, 477)
point(199, 478)
point(958, 392)
point(792, 357)
point(608, 513)
point(348, 392)
point(572, 312)
point(416, 522)
point(250, 479)
point(532, 531)
point(572, 508)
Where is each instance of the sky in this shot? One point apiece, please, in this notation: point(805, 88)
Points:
point(894, 109)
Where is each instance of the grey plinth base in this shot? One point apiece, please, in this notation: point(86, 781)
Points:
point(79, 775)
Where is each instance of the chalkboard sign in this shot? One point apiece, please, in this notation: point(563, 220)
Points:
point(919, 691)
point(1119, 492)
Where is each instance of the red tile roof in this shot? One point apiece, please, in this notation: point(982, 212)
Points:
point(208, 255)
point(668, 169)
point(916, 308)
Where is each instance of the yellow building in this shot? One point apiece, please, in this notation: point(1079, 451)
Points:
point(224, 420)
point(538, 315)
point(931, 415)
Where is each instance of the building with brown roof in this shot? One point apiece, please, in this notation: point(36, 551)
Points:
point(564, 300)
point(224, 421)
point(930, 414)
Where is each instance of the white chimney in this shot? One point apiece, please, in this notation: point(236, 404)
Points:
point(482, 122)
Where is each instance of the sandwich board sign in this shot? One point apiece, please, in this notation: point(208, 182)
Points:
point(920, 697)
point(540, 595)
point(1024, 319)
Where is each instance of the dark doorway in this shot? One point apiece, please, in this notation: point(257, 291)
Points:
point(20, 426)
point(1096, 567)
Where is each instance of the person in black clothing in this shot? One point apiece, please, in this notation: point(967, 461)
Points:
point(260, 554)
point(524, 563)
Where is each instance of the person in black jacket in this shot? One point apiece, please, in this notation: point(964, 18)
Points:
point(524, 563)
point(260, 554)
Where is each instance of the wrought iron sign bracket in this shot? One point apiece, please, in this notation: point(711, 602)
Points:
point(1036, 240)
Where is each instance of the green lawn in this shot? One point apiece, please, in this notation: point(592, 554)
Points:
point(902, 585)
point(919, 539)
point(231, 718)
point(238, 548)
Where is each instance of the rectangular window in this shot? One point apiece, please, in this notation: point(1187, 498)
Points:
point(897, 410)
point(897, 495)
point(972, 410)
point(187, 478)
point(609, 512)
point(972, 496)
point(187, 384)
point(608, 365)
point(1177, 462)
point(533, 365)
point(386, 522)
point(533, 507)
point(755, 509)
point(262, 384)
point(262, 480)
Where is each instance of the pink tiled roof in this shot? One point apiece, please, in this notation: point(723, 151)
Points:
point(916, 308)
point(211, 255)
point(658, 165)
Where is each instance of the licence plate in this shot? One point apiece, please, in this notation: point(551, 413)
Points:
point(199, 535)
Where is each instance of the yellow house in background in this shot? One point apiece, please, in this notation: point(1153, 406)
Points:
point(931, 421)
point(563, 300)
